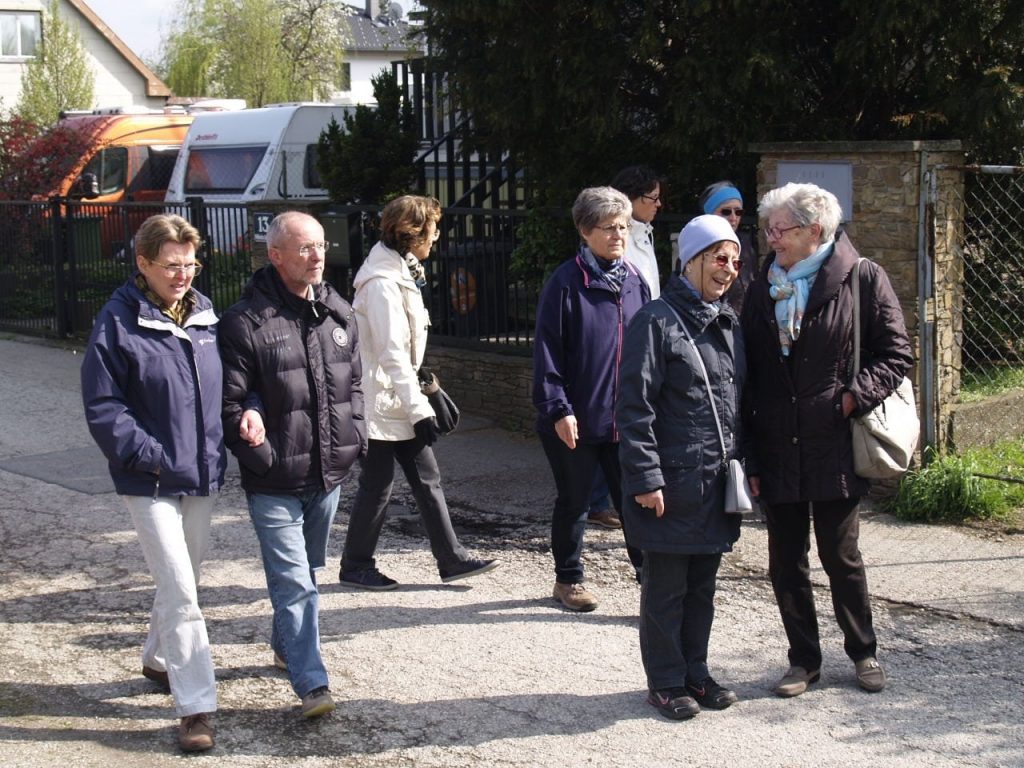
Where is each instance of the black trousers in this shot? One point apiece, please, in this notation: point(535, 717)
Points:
point(574, 471)
point(677, 607)
point(836, 531)
point(369, 509)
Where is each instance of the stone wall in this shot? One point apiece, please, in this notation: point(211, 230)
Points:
point(490, 384)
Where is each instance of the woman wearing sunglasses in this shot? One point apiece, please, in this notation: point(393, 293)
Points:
point(151, 384)
point(723, 199)
point(798, 323)
point(671, 452)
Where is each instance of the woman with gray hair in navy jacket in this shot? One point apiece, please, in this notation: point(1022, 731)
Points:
point(151, 385)
point(582, 314)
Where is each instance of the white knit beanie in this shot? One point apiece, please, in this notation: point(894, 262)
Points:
point(701, 233)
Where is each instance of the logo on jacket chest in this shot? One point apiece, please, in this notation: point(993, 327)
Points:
point(340, 337)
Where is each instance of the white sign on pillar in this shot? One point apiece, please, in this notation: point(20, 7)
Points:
point(836, 177)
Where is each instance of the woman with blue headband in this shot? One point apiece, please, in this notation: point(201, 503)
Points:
point(723, 199)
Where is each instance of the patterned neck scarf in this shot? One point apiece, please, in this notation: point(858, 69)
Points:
point(179, 312)
point(790, 290)
point(416, 270)
point(611, 272)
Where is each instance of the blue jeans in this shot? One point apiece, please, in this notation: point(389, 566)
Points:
point(293, 532)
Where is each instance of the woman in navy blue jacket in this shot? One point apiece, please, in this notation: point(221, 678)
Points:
point(582, 315)
point(673, 462)
point(151, 385)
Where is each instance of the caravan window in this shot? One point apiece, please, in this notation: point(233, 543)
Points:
point(222, 169)
point(311, 172)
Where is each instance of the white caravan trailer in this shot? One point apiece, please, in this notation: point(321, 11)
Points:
point(248, 156)
point(253, 154)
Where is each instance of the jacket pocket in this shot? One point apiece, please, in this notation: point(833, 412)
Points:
point(682, 470)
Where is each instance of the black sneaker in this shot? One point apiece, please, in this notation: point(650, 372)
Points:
point(673, 703)
point(369, 578)
point(711, 695)
point(468, 568)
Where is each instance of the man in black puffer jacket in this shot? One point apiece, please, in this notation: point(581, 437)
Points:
point(293, 407)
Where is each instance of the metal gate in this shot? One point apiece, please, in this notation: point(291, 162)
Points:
point(974, 235)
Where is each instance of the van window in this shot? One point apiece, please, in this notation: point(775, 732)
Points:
point(311, 171)
point(110, 166)
point(222, 169)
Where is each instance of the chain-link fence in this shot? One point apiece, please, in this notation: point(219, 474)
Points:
point(984, 276)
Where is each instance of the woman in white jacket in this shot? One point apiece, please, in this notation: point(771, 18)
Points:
point(393, 325)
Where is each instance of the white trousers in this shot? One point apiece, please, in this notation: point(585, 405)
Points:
point(174, 534)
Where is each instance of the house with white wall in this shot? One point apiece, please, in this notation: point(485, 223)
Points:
point(374, 40)
point(121, 78)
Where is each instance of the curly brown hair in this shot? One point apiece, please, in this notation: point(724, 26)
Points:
point(403, 222)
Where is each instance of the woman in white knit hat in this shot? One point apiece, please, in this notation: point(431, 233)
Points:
point(673, 456)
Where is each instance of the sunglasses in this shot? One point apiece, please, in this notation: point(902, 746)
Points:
point(730, 212)
point(723, 260)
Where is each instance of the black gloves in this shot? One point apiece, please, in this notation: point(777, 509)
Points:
point(427, 431)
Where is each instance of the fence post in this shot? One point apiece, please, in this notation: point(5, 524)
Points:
point(61, 285)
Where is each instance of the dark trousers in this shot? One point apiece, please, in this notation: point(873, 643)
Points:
point(574, 471)
point(677, 607)
point(836, 531)
point(370, 506)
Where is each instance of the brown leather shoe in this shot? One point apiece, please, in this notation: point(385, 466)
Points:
point(158, 676)
point(195, 734)
point(606, 518)
point(795, 681)
point(870, 675)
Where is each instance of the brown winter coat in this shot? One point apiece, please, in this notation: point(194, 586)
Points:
point(802, 450)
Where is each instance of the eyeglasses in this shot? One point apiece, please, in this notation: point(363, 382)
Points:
point(306, 250)
point(614, 229)
point(774, 233)
point(723, 260)
point(173, 270)
point(654, 199)
point(731, 212)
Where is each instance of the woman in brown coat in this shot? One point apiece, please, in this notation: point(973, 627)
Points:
point(798, 324)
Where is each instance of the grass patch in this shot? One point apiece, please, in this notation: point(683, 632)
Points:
point(949, 489)
point(990, 381)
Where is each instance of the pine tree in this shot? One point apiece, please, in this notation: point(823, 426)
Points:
point(59, 77)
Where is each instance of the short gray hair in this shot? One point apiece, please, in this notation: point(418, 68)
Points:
point(278, 229)
point(807, 204)
point(595, 204)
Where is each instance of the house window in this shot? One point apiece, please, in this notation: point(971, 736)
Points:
point(345, 82)
point(20, 33)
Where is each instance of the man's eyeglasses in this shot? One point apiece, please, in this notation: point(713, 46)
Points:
point(724, 260)
point(173, 270)
point(654, 199)
point(306, 250)
point(776, 232)
point(730, 212)
point(614, 229)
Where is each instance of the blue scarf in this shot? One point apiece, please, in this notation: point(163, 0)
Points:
point(613, 273)
point(790, 289)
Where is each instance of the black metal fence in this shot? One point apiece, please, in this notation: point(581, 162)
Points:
point(61, 260)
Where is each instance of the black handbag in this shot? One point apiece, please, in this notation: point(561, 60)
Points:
point(446, 412)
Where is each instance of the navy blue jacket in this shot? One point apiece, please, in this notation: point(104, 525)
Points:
point(152, 395)
point(297, 362)
point(577, 348)
point(669, 437)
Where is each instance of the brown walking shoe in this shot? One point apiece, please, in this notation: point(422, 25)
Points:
point(574, 597)
point(195, 734)
point(870, 675)
point(605, 518)
point(795, 681)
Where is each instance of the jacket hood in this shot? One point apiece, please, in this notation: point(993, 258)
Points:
point(265, 293)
